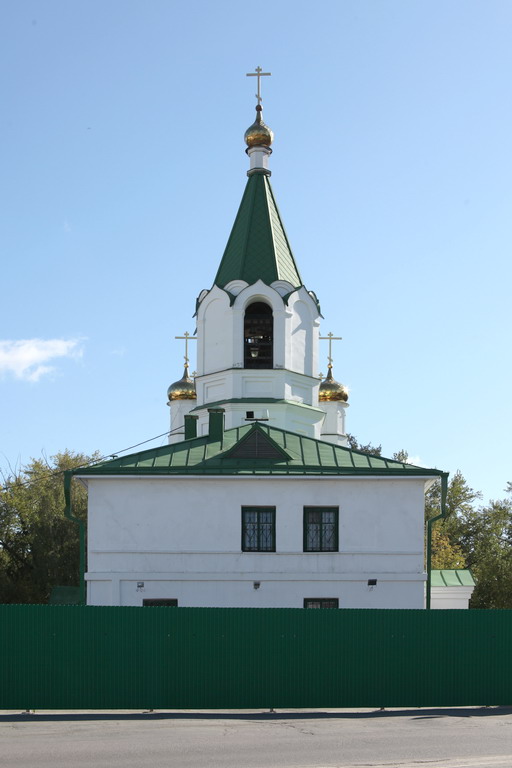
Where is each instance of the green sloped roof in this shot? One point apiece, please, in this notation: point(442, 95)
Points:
point(452, 578)
point(258, 248)
point(301, 456)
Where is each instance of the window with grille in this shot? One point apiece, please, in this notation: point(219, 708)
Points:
point(170, 602)
point(320, 529)
point(321, 602)
point(258, 529)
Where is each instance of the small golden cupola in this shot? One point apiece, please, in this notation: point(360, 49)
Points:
point(183, 389)
point(331, 390)
point(258, 134)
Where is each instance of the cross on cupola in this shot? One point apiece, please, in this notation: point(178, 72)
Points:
point(258, 72)
point(330, 338)
point(187, 338)
point(258, 136)
point(184, 388)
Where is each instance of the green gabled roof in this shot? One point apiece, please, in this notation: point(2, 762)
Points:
point(258, 248)
point(301, 456)
point(453, 578)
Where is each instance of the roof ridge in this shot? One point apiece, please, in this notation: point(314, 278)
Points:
point(252, 203)
point(270, 193)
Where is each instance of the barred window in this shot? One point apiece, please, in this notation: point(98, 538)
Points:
point(321, 602)
point(159, 601)
point(321, 529)
point(258, 529)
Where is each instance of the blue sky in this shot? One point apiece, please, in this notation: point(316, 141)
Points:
point(123, 164)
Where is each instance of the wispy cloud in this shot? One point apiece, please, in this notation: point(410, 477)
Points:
point(29, 359)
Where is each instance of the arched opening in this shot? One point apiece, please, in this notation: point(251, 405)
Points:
point(258, 336)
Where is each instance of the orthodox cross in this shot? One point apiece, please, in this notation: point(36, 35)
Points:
point(187, 338)
point(330, 338)
point(259, 74)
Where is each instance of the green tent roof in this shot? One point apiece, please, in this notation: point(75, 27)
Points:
point(258, 248)
point(276, 452)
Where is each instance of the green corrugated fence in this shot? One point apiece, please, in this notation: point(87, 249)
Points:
point(77, 657)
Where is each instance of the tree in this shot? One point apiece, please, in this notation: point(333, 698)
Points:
point(459, 500)
point(447, 549)
point(445, 552)
point(485, 535)
point(38, 545)
point(402, 456)
point(374, 450)
point(478, 538)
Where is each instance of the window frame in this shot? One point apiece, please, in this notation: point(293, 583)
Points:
point(258, 509)
point(321, 548)
point(159, 602)
point(259, 334)
point(322, 600)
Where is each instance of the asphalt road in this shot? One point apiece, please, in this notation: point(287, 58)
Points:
point(419, 738)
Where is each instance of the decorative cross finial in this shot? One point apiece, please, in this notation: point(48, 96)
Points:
point(187, 338)
point(330, 338)
point(259, 74)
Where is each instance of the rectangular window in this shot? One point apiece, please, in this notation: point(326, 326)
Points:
point(321, 602)
point(258, 529)
point(321, 529)
point(171, 602)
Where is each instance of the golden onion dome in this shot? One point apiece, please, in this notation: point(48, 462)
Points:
point(331, 390)
point(258, 134)
point(184, 389)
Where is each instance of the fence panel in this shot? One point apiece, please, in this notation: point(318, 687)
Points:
point(76, 657)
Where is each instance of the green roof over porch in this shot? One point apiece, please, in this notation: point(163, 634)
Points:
point(453, 578)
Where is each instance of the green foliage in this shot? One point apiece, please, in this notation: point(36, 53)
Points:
point(459, 501)
point(486, 537)
point(478, 538)
point(447, 549)
point(39, 547)
point(445, 552)
point(373, 450)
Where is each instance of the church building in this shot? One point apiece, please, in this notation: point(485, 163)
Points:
point(257, 500)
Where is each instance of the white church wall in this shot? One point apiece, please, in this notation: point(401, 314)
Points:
point(214, 328)
point(184, 534)
point(219, 592)
point(333, 428)
point(450, 597)
point(179, 408)
point(302, 334)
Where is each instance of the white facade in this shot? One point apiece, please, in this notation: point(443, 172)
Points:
point(171, 523)
point(181, 538)
point(451, 597)
point(285, 395)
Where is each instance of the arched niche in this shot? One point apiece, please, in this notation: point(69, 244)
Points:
point(214, 328)
point(258, 335)
point(260, 292)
